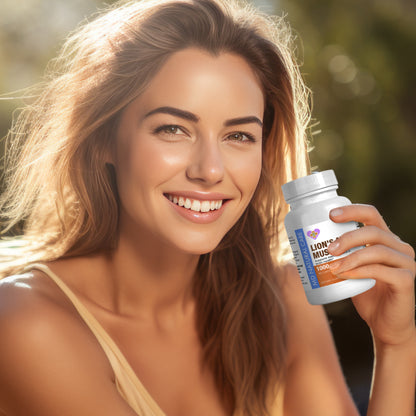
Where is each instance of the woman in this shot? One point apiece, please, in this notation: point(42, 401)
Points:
point(154, 279)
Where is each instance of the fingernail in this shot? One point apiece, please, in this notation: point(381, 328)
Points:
point(336, 212)
point(333, 246)
point(334, 266)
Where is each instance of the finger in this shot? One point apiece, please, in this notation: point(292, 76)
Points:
point(366, 214)
point(377, 254)
point(400, 280)
point(369, 235)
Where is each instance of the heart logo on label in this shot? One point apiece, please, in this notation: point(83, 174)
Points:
point(313, 234)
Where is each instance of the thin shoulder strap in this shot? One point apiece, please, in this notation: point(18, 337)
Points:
point(117, 360)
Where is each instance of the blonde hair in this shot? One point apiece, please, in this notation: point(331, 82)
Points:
point(62, 191)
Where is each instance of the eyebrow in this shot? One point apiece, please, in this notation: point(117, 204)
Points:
point(174, 112)
point(192, 117)
point(243, 120)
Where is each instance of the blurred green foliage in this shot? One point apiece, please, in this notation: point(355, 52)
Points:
point(358, 58)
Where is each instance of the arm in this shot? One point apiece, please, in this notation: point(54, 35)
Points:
point(49, 363)
point(388, 308)
point(393, 389)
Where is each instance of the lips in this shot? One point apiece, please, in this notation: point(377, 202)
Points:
point(197, 205)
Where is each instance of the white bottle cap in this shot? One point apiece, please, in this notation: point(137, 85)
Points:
point(307, 184)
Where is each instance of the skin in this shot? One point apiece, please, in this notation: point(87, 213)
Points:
point(141, 293)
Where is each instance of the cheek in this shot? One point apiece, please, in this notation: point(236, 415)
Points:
point(247, 173)
point(254, 174)
point(143, 160)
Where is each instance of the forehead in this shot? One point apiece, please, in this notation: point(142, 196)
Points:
point(193, 79)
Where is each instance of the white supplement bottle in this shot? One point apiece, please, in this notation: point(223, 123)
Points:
point(310, 231)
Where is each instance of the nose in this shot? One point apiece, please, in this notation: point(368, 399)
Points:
point(206, 162)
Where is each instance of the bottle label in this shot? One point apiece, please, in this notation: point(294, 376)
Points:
point(310, 250)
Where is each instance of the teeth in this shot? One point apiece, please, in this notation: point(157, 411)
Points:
point(195, 204)
point(205, 206)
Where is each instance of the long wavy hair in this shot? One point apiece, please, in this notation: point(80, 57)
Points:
point(62, 198)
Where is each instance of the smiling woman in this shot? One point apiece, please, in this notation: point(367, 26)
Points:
point(199, 150)
point(151, 277)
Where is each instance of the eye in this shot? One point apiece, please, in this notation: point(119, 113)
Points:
point(241, 137)
point(169, 129)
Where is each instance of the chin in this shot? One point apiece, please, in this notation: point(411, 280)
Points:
point(199, 247)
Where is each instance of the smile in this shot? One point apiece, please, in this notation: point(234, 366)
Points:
point(195, 204)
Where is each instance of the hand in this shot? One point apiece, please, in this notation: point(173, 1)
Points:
point(389, 307)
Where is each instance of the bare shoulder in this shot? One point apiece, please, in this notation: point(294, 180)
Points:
point(301, 315)
point(315, 384)
point(36, 320)
point(25, 300)
point(294, 293)
point(46, 350)
point(29, 285)
point(31, 303)
point(291, 284)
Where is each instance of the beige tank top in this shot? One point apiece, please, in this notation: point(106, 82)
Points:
point(127, 382)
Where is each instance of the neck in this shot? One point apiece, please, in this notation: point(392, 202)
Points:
point(149, 277)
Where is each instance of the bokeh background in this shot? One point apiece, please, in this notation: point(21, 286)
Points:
point(358, 58)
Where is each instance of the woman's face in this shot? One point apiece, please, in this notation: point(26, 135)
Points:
point(189, 149)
